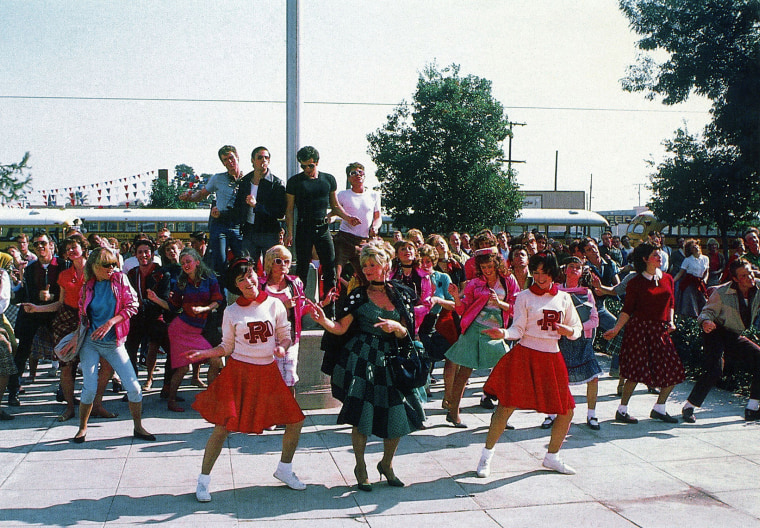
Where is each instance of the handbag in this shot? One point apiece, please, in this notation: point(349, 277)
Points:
point(410, 365)
point(78, 335)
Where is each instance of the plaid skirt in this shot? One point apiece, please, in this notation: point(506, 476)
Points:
point(362, 381)
point(648, 354)
point(65, 322)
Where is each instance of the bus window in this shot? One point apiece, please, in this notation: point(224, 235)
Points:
point(130, 227)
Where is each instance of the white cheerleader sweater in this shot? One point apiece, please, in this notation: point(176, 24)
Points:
point(251, 332)
point(536, 316)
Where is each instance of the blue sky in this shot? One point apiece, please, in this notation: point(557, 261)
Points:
point(554, 65)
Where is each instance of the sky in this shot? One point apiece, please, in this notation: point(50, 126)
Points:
point(98, 90)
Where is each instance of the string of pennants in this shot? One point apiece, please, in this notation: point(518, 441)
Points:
point(119, 191)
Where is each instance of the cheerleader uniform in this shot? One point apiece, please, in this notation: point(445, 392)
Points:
point(250, 394)
point(533, 374)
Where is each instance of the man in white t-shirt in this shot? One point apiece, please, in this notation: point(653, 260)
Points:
point(363, 204)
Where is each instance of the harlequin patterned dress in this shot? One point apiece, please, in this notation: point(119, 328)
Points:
point(362, 377)
point(648, 354)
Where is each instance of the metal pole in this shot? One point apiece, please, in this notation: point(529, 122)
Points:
point(590, 188)
point(293, 93)
point(556, 162)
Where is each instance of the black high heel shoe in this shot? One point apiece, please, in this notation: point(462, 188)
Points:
point(363, 486)
point(392, 480)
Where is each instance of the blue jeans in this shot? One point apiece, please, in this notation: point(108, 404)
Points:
point(221, 237)
point(117, 357)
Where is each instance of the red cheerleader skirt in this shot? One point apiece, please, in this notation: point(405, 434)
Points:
point(528, 379)
point(248, 398)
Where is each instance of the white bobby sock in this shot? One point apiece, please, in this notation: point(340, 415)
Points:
point(659, 407)
point(204, 479)
point(753, 405)
point(591, 413)
point(622, 409)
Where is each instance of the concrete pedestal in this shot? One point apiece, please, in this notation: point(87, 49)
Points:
point(313, 387)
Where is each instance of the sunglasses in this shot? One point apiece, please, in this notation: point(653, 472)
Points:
point(108, 265)
point(280, 261)
point(309, 166)
point(356, 173)
point(40, 243)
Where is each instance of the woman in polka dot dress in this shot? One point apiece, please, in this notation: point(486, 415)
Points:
point(647, 354)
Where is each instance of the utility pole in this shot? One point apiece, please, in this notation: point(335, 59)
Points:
point(509, 161)
point(638, 185)
point(556, 163)
point(293, 95)
point(590, 188)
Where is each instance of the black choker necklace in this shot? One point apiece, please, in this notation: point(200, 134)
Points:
point(377, 283)
point(407, 266)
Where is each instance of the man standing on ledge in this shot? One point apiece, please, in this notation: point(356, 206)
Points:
point(312, 193)
point(261, 202)
point(224, 223)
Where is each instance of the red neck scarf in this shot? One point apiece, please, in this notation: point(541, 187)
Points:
point(242, 301)
point(539, 291)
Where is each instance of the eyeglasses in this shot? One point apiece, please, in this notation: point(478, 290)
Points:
point(356, 173)
point(108, 265)
point(280, 261)
point(40, 243)
point(308, 166)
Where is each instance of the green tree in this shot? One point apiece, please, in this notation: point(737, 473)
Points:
point(704, 183)
point(165, 194)
point(437, 159)
point(14, 180)
point(713, 49)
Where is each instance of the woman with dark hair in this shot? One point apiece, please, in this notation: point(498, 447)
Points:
point(487, 302)
point(647, 354)
point(379, 316)
point(579, 356)
point(533, 375)
point(197, 293)
point(250, 394)
point(106, 305)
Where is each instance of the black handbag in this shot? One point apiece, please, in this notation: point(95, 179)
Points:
point(410, 365)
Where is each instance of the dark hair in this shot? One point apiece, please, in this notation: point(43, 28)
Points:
point(257, 150)
point(307, 153)
point(144, 242)
point(237, 268)
point(585, 242)
point(72, 241)
point(226, 150)
point(641, 254)
point(548, 261)
point(514, 249)
point(484, 239)
point(199, 236)
point(736, 264)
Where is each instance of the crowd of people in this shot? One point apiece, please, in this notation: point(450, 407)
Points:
point(526, 307)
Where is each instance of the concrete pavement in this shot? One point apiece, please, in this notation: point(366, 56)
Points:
point(651, 474)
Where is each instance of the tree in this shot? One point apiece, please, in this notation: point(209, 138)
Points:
point(437, 159)
point(713, 49)
point(14, 181)
point(704, 183)
point(165, 194)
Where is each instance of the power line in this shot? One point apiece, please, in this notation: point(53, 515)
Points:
point(334, 103)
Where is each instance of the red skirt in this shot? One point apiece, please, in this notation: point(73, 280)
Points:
point(248, 398)
point(528, 379)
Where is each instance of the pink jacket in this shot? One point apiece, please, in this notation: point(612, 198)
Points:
point(127, 303)
point(299, 309)
point(475, 297)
